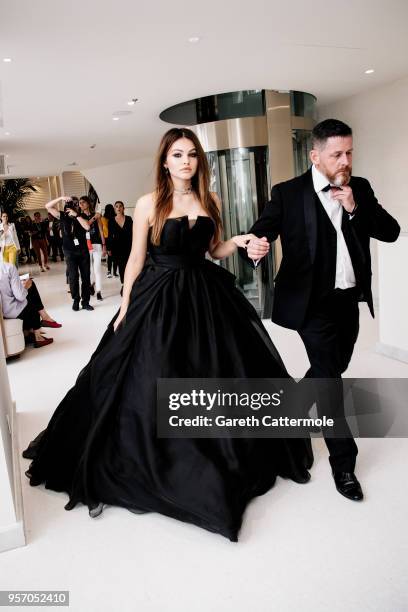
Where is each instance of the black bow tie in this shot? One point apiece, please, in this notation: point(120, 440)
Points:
point(328, 187)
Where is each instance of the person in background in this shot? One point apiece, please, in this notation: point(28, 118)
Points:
point(109, 214)
point(74, 228)
point(26, 244)
point(54, 238)
point(21, 300)
point(120, 232)
point(96, 244)
point(9, 242)
point(39, 241)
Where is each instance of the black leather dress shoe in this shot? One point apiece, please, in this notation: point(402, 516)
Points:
point(348, 485)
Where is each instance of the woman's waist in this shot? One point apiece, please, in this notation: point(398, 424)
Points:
point(176, 260)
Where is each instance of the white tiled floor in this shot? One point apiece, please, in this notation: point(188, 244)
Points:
point(302, 547)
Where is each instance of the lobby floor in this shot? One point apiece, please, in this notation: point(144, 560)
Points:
point(302, 547)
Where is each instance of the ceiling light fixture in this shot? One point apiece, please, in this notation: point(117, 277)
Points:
point(194, 39)
point(115, 118)
point(132, 102)
point(7, 133)
point(7, 60)
point(369, 71)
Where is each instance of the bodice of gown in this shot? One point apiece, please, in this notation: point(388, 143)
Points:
point(182, 242)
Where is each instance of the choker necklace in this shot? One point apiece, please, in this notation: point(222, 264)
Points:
point(183, 191)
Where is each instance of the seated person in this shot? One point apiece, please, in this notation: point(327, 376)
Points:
point(21, 300)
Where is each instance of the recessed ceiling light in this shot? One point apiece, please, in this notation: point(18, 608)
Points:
point(369, 71)
point(132, 102)
point(7, 133)
point(7, 59)
point(115, 118)
point(194, 39)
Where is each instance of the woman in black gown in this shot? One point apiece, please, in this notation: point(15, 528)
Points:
point(181, 316)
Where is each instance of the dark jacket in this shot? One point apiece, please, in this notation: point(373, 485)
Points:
point(292, 213)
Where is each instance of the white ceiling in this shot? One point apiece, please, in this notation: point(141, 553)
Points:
point(75, 63)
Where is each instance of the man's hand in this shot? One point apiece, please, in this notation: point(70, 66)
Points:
point(258, 248)
point(28, 283)
point(344, 196)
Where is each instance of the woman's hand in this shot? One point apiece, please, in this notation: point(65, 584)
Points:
point(121, 316)
point(242, 240)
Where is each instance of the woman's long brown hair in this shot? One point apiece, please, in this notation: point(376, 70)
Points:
point(200, 183)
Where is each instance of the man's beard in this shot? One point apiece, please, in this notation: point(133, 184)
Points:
point(340, 178)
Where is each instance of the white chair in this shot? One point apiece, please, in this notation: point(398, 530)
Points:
point(13, 337)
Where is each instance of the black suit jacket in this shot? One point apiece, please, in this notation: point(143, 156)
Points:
point(291, 214)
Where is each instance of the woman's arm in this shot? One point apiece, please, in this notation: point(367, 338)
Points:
point(224, 248)
point(52, 207)
point(82, 222)
point(143, 211)
point(17, 288)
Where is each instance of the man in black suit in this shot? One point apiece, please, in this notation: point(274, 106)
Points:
point(325, 219)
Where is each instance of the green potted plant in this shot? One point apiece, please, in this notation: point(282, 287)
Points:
point(13, 194)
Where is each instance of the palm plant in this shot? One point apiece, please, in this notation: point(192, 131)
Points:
point(13, 194)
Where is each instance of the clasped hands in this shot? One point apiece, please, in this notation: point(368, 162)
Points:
point(256, 247)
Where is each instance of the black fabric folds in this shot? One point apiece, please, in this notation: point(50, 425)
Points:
point(187, 319)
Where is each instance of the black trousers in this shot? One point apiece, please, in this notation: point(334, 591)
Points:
point(78, 263)
point(55, 248)
point(30, 314)
point(329, 334)
point(121, 260)
point(112, 265)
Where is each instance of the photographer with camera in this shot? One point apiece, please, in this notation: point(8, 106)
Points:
point(74, 228)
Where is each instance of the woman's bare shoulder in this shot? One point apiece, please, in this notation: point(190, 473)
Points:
point(145, 204)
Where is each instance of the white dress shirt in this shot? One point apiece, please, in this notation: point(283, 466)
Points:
point(345, 277)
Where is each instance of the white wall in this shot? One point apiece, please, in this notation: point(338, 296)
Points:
point(379, 119)
point(11, 502)
point(125, 181)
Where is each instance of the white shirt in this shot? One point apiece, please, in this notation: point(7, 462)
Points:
point(345, 277)
point(13, 294)
point(9, 238)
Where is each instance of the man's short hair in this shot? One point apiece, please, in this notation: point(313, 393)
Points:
point(328, 128)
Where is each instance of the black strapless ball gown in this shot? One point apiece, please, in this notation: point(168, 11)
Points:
point(185, 319)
